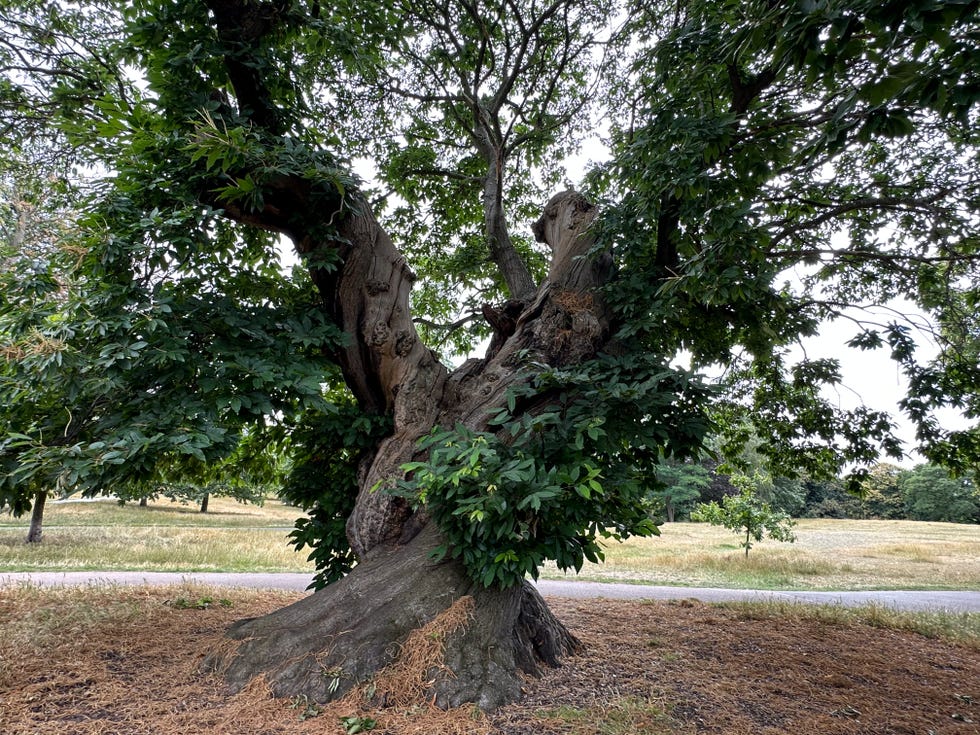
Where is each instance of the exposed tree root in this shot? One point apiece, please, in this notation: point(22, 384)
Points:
point(371, 627)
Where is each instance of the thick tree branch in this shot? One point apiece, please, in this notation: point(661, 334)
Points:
point(448, 326)
point(745, 91)
point(242, 24)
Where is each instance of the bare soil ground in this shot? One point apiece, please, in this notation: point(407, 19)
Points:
point(127, 662)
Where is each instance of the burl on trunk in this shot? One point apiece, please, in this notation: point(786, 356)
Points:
point(351, 631)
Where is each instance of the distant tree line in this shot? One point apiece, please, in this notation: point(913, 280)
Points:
point(926, 492)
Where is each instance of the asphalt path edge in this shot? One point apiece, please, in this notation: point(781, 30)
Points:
point(913, 600)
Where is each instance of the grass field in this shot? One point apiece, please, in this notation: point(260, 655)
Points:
point(164, 536)
point(827, 554)
point(234, 537)
point(103, 659)
point(222, 513)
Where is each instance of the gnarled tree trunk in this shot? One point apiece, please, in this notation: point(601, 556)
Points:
point(346, 633)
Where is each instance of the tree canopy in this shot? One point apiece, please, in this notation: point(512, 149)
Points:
point(771, 168)
point(778, 166)
point(141, 333)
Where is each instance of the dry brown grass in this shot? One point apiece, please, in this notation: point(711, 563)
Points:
point(106, 660)
point(127, 661)
point(405, 681)
point(828, 554)
point(165, 536)
point(397, 695)
point(685, 668)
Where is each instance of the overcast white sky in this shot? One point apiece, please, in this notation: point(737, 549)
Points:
point(872, 378)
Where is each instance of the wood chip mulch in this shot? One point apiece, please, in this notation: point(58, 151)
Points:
point(648, 667)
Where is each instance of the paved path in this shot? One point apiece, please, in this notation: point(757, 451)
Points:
point(899, 599)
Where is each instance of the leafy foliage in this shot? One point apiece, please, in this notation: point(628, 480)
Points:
point(776, 166)
point(325, 448)
point(355, 724)
point(245, 479)
point(930, 494)
point(142, 331)
point(880, 493)
point(746, 514)
point(550, 484)
point(110, 376)
point(828, 499)
point(678, 488)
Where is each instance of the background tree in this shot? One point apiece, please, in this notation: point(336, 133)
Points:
point(253, 473)
point(113, 383)
point(679, 488)
point(881, 496)
point(745, 455)
point(746, 514)
point(35, 255)
point(828, 499)
point(932, 495)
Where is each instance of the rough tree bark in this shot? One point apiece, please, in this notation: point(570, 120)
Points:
point(342, 635)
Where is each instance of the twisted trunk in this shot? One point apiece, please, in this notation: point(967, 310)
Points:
point(347, 633)
point(352, 630)
point(343, 635)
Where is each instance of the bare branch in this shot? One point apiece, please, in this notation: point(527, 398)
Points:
point(864, 203)
point(449, 327)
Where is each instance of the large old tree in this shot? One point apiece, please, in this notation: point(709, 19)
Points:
point(747, 139)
